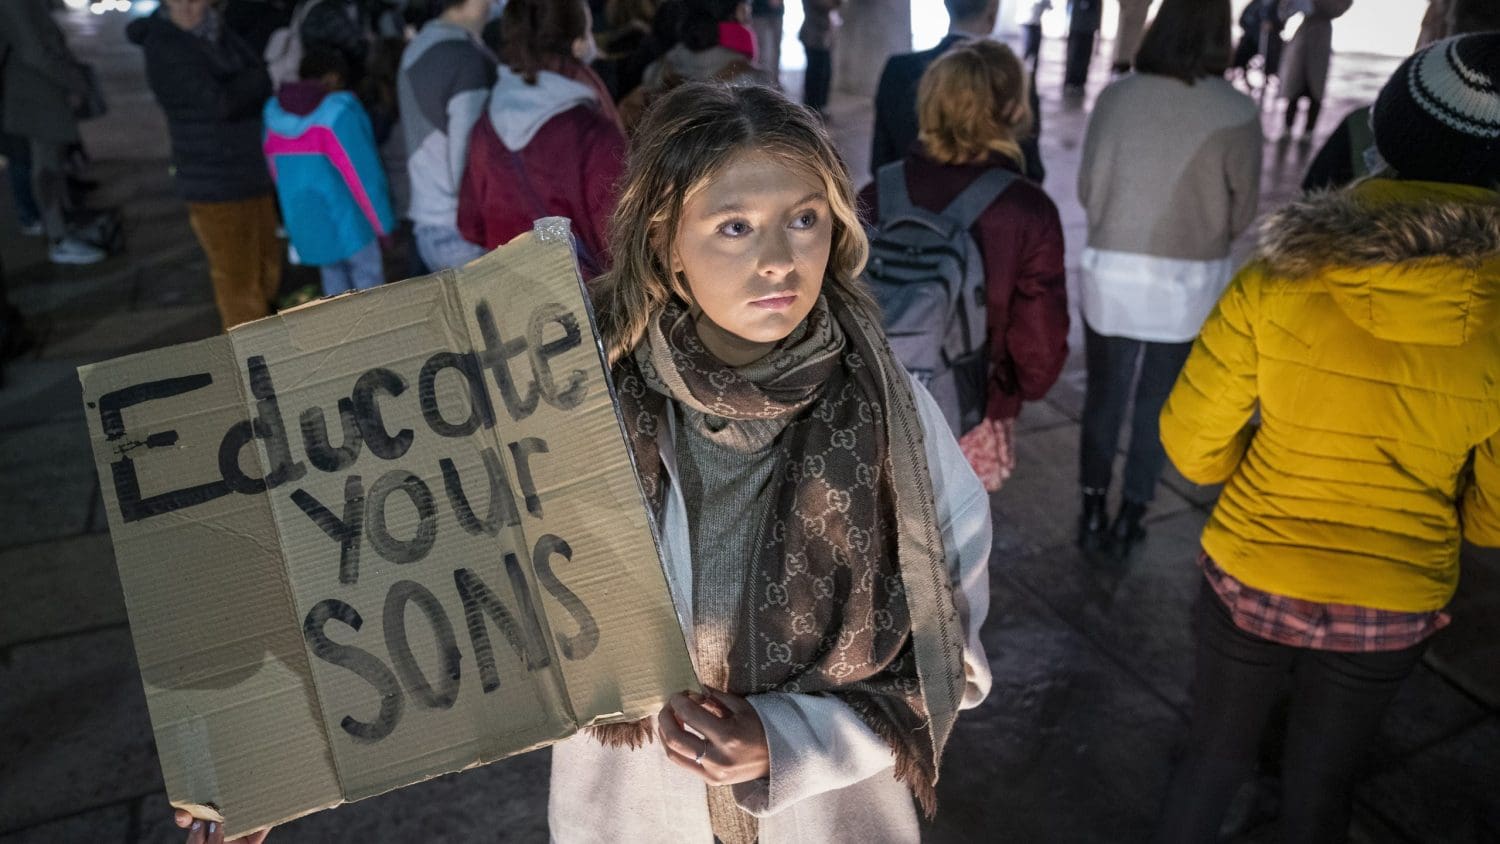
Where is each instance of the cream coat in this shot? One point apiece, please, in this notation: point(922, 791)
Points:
point(831, 777)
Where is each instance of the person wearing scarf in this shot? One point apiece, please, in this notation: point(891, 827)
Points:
point(824, 538)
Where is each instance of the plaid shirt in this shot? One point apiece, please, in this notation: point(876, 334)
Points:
point(1325, 627)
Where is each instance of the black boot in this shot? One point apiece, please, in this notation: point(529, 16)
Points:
point(1093, 522)
point(1127, 531)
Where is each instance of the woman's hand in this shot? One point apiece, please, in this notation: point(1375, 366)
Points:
point(210, 832)
point(716, 735)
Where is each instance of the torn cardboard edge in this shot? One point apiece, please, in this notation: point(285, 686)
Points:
point(558, 576)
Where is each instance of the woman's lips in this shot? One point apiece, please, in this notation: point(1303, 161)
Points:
point(776, 303)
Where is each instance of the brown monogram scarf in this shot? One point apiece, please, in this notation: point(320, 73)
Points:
point(850, 593)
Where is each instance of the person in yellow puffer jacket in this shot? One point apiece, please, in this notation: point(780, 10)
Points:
point(1366, 334)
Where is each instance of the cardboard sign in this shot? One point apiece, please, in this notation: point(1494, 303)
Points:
point(391, 535)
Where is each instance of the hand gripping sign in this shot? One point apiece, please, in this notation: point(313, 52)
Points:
point(387, 536)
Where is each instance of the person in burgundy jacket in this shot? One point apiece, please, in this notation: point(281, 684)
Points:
point(551, 143)
point(972, 107)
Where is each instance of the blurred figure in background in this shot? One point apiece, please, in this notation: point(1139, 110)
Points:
point(1350, 153)
point(819, 25)
point(1304, 72)
point(212, 88)
point(550, 143)
point(1084, 19)
point(896, 96)
point(1128, 32)
point(445, 79)
point(1031, 32)
point(326, 164)
point(766, 17)
point(44, 87)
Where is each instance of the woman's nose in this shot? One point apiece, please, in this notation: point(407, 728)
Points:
point(776, 257)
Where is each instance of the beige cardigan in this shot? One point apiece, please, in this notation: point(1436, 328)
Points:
point(831, 777)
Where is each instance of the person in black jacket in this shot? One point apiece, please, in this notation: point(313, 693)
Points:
point(896, 98)
point(212, 87)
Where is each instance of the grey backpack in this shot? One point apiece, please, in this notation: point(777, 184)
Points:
point(926, 272)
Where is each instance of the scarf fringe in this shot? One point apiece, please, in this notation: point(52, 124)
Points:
point(633, 735)
point(912, 767)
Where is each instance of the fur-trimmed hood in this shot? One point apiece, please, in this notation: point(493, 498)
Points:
point(1414, 262)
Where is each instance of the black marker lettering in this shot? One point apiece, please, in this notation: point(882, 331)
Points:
point(315, 438)
point(572, 647)
point(496, 357)
point(270, 428)
point(568, 397)
point(367, 411)
point(345, 531)
point(363, 663)
point(386, 545)
point(521, 451)
point(396, 642)
point(503, 511)
point(480, 410)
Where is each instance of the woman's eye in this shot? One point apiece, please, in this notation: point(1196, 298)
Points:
point(735, 228)
point(805, 220)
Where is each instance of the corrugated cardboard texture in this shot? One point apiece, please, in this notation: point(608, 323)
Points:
point(382, 538)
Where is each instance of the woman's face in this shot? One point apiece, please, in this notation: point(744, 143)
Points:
point(187, 14)
point(753, 245)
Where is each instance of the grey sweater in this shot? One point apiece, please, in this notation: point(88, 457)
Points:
point(1170, 169)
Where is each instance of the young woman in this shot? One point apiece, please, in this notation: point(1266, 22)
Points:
point(972, 107)
point(835, 635)
point(1163, 208)
point(550, 143)
point(1367, 336)
point(773, 428)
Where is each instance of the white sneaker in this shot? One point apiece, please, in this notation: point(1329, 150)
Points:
point(71, 250)
point(32, 229)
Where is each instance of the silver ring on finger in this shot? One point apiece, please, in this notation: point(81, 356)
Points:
point(698, 760)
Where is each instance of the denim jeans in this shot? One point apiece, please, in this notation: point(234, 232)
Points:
point(1337, 702)
point(1112, 364)
point(360, 271)
point(443, 248)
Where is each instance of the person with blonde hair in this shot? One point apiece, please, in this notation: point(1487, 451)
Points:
point(973, 107)
point(835, 635)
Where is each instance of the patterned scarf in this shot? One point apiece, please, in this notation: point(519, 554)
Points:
point(850, 593)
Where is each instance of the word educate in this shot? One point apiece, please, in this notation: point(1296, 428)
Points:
point(363, 514)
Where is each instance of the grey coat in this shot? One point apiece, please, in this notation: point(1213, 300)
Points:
point(40, 74)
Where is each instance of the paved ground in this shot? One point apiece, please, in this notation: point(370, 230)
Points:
point(1091, 667)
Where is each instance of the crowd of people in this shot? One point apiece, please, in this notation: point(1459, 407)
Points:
point(794, 358)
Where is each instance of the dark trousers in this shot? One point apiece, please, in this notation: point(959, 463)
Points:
point(1112, 373)
point(819, 76)
point(1080, 53)
point(1032, 33)
point(18, 167)
point(1336, 706)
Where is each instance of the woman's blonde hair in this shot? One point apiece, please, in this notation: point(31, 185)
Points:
point(974, 101)
point(686, 139)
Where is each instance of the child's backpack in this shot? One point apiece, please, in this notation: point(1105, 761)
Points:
point(926, 272)
point(284, 49)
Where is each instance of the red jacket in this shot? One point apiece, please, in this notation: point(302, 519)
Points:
point(568, 169)
point(1021, 240)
